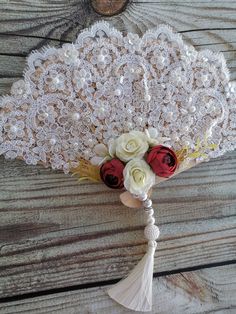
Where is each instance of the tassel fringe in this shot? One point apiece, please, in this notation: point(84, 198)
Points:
point(135, 291)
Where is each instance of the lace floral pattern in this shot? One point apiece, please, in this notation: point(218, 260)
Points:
point(106, 84)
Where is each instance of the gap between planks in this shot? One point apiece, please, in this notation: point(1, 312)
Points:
point(111, 282)
point(201, 291)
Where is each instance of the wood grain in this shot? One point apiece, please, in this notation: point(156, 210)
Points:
point(203, 291)
point(55, 233)
point(24, 27)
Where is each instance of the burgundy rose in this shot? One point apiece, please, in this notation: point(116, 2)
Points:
point(162, 160)
point(112, 174)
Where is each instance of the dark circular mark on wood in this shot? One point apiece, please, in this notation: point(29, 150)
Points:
point(109, 7)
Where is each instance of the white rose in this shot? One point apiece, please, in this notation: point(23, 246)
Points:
point(129, 145)
point(138, 177)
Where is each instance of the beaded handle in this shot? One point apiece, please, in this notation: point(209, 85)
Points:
point(135, 291)
point(151, 231)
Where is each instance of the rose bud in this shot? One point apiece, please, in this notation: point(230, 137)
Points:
point(112, 173)
point(162, 160)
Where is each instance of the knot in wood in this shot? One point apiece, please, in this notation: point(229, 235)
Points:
point(109, 7)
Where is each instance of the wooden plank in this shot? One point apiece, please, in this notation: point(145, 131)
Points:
point(6, 83)
point(56, 233)
point(6, 68)
point(24, 27)
point(209, 290)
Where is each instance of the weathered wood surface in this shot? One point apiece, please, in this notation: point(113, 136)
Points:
point(56, 233)
point(209, 290)
point(26, 25)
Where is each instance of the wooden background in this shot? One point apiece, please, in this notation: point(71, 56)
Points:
point(62, 244)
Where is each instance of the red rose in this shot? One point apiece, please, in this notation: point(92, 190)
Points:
point(162, 160)
point(112, 174)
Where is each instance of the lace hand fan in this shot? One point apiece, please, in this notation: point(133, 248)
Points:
point(126, 111)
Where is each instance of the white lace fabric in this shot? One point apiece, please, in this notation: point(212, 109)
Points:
point(106, 84)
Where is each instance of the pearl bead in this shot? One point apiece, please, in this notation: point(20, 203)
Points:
point(101, 109)
point(204, 77)
point(56, 80)
point(185, 128)
point(52, 141)
point(86, 153)
point(76, 116)
point(192, 109)
point(178, 78)
point(130, 125)
point(151, 220)
point(117, 92)
point(175, 138)
point(232, 88)
point(101, 58)
point(147, 97)
point(14, 129)
point(161, 59)
point(147, 203)
point(151, 232)
point(122, 79)
point(142, 197)
point(149, 211)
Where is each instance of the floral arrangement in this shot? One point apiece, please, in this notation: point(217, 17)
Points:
point(138, 160)
point(132, 161)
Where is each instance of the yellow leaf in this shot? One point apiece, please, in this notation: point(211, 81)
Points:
point(213, 146)
point(86, 171)
point(182, 153)
point(194, 155)
point(198, 145)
